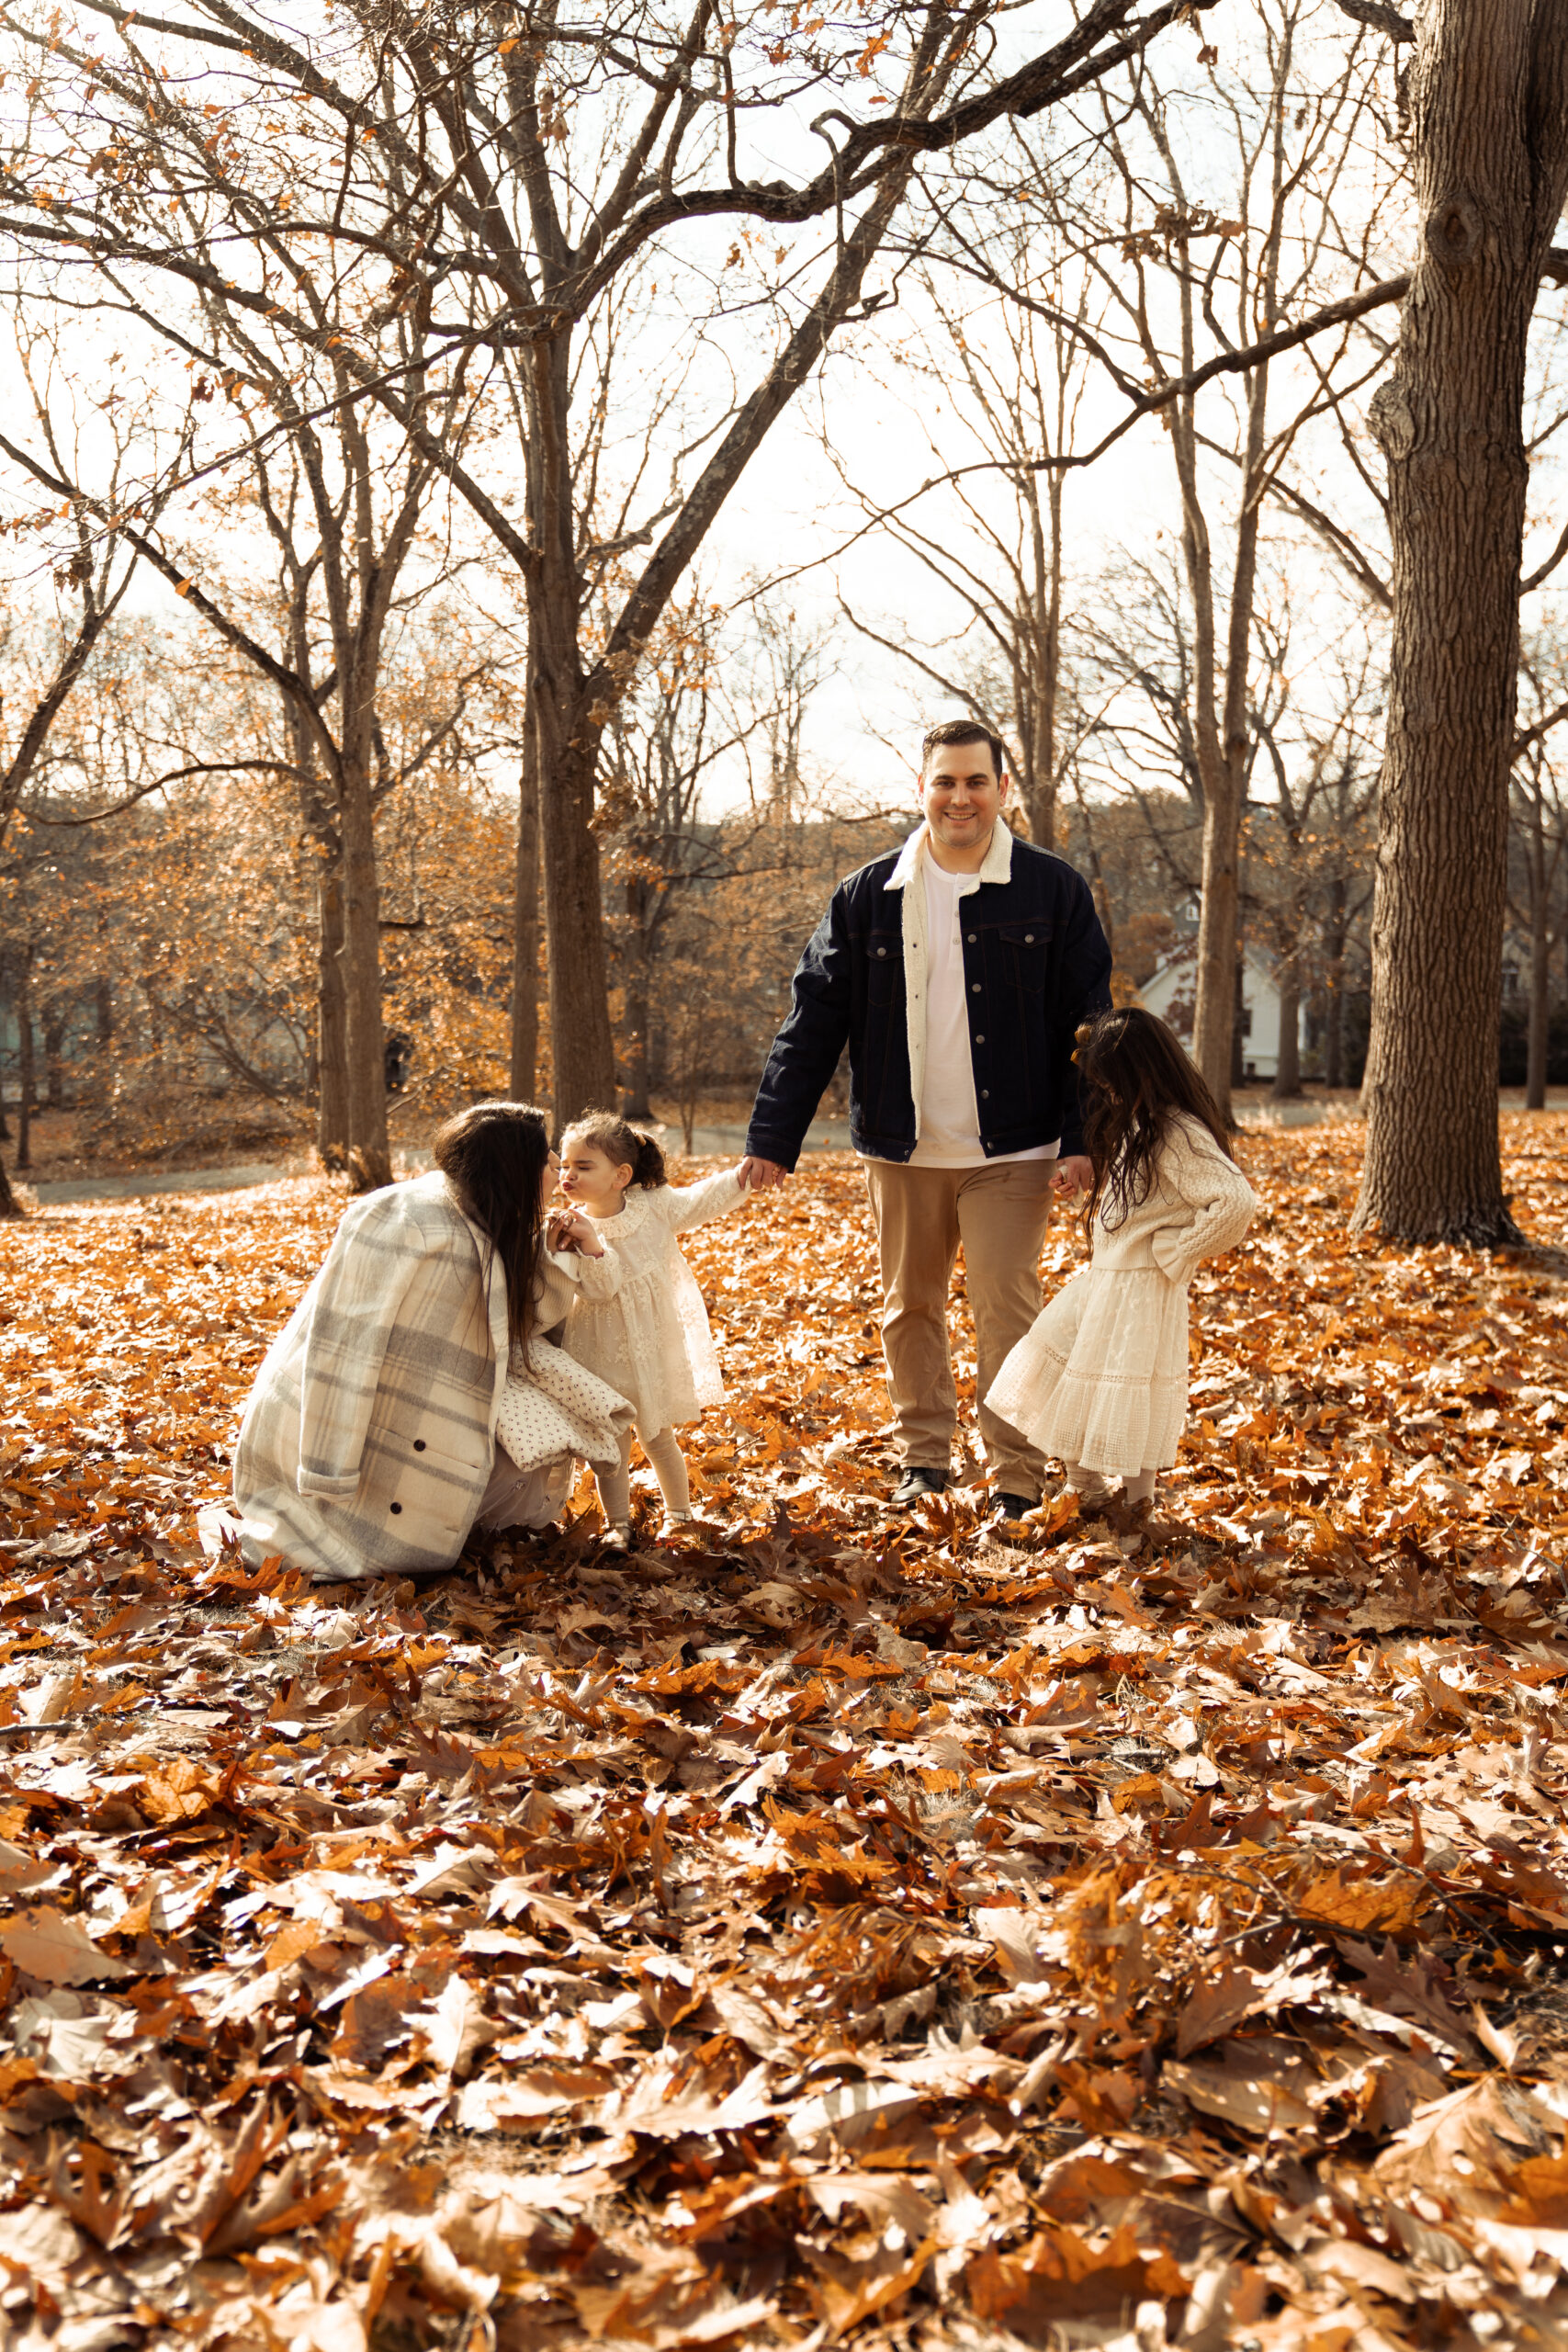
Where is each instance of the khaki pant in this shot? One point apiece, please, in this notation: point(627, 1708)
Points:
point(999, 1213)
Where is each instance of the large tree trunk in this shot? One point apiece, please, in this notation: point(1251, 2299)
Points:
point(525, 1075)
point(567, 734)
point(369, 1153)
point(331, 1016)
point(1489, 98)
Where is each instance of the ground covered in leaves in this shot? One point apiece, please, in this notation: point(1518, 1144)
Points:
point(824, 1931)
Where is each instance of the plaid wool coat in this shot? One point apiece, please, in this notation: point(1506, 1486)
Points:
point(369, 1436)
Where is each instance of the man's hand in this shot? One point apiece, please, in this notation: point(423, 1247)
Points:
point(760, 1175)
point(1074, 1175)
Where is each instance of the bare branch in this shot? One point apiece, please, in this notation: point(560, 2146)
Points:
point(1379, 18)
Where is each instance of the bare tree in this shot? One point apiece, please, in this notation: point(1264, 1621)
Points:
point(1232, 277)
point(94, 565)
point(530, 162)
point(1488, 100)
point(339, 497)
point(1011, 373)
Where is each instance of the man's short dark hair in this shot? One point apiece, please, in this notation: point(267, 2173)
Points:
point(963, 730)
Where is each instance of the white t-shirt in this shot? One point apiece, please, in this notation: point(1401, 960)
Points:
point(950, 1116)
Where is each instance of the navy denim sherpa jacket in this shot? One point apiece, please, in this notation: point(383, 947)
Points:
point(1036, 963)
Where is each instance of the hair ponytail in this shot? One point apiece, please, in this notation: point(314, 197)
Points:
point(623, 1144)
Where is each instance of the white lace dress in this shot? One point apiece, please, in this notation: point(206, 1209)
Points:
point(1100, 1378)
point(637, 1319)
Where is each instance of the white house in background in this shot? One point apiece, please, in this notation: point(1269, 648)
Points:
point(1172, 992)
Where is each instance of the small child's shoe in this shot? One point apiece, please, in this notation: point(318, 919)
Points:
point(675, 1524)
point(618, 1536)
point(1140, 1520)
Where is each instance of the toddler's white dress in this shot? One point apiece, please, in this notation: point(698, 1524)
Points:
point(1100, 1376)
point(637, 1319)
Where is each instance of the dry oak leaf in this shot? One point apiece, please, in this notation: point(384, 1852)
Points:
point(57, 1951)
point(1344, 1899)
point(173, 1788)
point(1541, 2193)
point(1057, 2277)
point(1457, 2147)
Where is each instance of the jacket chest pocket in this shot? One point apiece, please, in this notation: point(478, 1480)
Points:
point(884, 966)
point(1025, 946)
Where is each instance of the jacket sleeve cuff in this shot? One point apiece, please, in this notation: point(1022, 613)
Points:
point(782, 1150)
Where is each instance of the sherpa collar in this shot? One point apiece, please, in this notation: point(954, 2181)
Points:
point(998, 867)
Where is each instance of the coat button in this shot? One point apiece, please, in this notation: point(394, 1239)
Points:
point(985, 1094)
point(396, 1507)
point(418, 1445)
point(1029, 939)
point(882, 951)
point(972, 937)
point(979, 1037)
point(974, 988)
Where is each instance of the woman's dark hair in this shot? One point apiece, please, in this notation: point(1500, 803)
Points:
point(623, 1144)
point(496, 1157)
point(1136, 1077)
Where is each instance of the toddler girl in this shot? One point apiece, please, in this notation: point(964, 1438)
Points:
point(1101, 1379)
point(637, 1319)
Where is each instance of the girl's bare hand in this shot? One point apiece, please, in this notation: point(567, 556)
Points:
point(570, 1231)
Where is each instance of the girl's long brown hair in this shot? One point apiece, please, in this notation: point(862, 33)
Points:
point(496, 1157)
point(1136, 1077)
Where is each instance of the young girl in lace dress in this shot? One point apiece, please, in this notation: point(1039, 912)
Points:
point(1101, 1379)
point(637, 1319)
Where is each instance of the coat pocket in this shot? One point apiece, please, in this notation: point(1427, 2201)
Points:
point(424, 1491)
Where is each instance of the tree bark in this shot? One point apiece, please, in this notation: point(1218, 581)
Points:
point(369, 1153)
point(331, 1016)
point(1489, 100)
point(525, 1076)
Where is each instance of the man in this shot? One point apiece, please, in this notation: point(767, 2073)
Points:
point(956, 970)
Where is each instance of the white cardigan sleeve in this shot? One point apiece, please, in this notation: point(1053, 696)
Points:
point(686, 1205)
point(1219, 1203)
point(597, 1278)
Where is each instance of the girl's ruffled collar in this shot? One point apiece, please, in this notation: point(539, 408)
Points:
point(635, 1210)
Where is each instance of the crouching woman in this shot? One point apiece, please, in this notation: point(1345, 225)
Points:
point(369, 1443)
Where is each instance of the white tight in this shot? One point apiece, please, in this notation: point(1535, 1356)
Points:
point(669, 1468)
point(1091, 1487)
